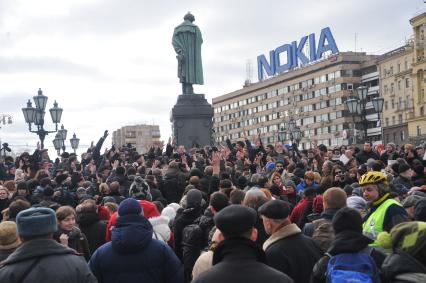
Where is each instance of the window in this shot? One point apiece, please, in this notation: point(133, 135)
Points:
point(386, 105)
point(402, 136)
point(387, 123)
point(398, 68)
point(393, 103)
point(392, 88)
point(407, 82)
point(393, 120)
point(399, 85)
point(400, 119)
point(317, 80)
point(323, 78)
point(422, 111)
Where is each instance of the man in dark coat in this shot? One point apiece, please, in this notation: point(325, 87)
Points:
point(237, 258)
point(287, 249)
point(40, 258)
point(133, 255)
point(366, 154)
point(91, 225)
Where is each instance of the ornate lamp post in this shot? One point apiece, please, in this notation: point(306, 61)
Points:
point(63, 134)
point(290, 131)
point(58, 143)
point(357, 107)
point(74, 142)
point(36, 115)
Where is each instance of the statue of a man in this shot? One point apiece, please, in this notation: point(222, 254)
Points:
point(187, 42)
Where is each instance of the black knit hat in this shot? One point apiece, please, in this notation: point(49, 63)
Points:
point(347, 219)
point(403, 167)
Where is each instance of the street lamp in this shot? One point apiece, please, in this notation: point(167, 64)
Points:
point(290, 131)
point(63, 134)
point(357, 107)
point(58, 143)
point(36, 115)
point(74, 142)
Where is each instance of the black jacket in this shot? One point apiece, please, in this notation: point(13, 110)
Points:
point(240, 260)
point(292, 253)
point(77, 241)
point(401, 267)
point(173, 186)
point(363, 156)
point(184, 217)
point(56, 263)
point(94, 228)
point(345, 242)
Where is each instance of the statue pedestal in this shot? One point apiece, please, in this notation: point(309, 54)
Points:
point(191, 119)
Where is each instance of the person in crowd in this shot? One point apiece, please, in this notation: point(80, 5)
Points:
point(407, 262)
point(40, 258)
point(366, 153)
point(9, 240)
point(404, 177)
point(91, 224)
point(4, 200)
point(205, 260)
point(308, 182)
point(237, 258)
point(133, 255)
point(68, 234)
point(255, 198)
point(384, 212)
point(350, 242)
point(306, 202)
point(287, 249)
point(321, 230)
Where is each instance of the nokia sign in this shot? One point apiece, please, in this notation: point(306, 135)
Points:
point(295, 52)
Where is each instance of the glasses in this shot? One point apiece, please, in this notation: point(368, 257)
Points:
point(337, 172)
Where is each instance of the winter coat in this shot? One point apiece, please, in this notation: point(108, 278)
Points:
point(297, 213)
point(403, 181)
point(328, 214)
point(93, 228)
point(302, 185)
point(4, 203)
point(77, 241)
point(344, 242)
point(134, 256)
point(240, 260)
point(400, 267)
point(52, 262)
point(173, 186)
point(5, 253)
point(160, 225)
point(203, 263)
point(419, 180)
point(184, 217)
point(292, 253)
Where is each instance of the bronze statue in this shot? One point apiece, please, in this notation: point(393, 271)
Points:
point(187, 42)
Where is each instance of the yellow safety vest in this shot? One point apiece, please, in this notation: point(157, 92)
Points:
point(374, 224)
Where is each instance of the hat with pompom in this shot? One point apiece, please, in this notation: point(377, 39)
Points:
point(409, 237)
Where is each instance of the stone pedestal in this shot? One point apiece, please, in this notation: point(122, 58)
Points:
point(192, 122)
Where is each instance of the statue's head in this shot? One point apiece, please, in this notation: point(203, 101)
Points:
point(189, 17)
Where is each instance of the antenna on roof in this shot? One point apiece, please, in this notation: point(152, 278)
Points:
point(249, 73)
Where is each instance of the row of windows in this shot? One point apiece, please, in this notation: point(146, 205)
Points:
point(391, 89)
point(326, 117)
point(304, 85)
point(389, 72)
point(276, 115)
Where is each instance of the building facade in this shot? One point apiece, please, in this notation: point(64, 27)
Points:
point(313, 96)
point(141, 137)
point(397, 90)
point(417, 121)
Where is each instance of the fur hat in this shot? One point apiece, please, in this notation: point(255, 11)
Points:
point(36, 222)
point(8, 235)
point(169, 212)
point(139, 189)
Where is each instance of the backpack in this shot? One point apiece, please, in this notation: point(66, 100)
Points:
point(352, 267)
point(323, 233)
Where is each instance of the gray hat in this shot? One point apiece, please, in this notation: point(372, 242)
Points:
point(36, 222)
point(194, 198)
point(356, 202)
point(289, 183)
point(411, 201)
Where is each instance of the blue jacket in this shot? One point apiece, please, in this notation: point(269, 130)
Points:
point(302, 185)
point(134, 256)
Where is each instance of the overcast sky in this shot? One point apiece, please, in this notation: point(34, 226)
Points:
point(111, 63)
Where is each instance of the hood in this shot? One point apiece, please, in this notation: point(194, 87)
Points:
point(401, 263)
point(161, 227)
point(284, 232)
point(349, 242)
point(87, 219)
point(131, 234)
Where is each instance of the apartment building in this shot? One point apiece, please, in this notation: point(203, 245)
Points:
point(417, 121)
point(313, 96)
point(139, 136)
point(397, 90)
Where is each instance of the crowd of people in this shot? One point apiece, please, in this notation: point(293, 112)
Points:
point(235, 212)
